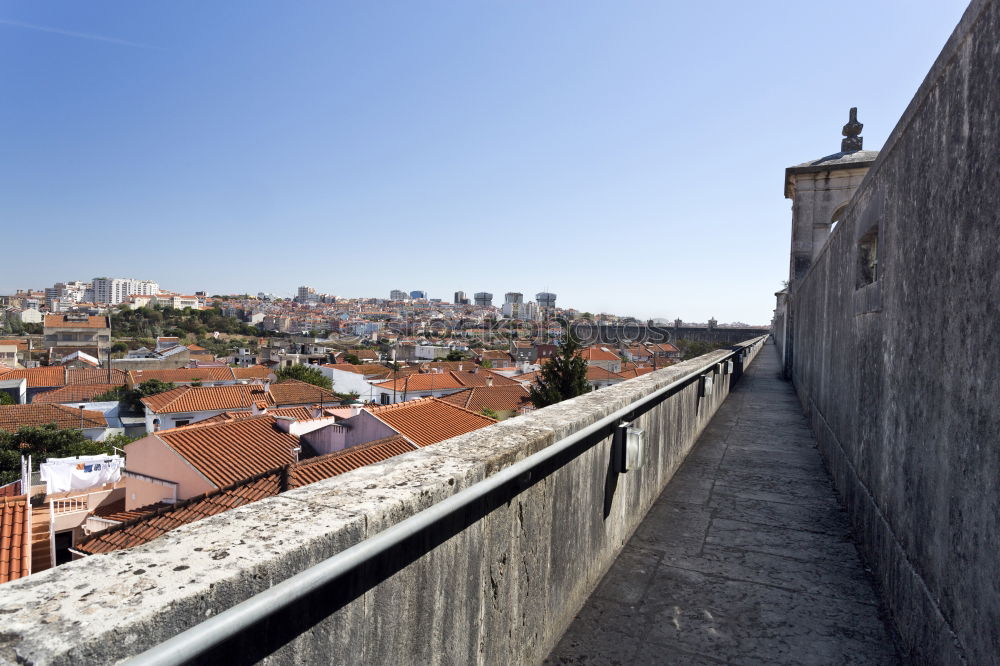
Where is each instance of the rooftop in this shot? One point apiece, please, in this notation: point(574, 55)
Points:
point(228, 452)
point(13, 417)
point(206, 398)
point(427, 421)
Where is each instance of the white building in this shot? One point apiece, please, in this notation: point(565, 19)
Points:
point(117, 290)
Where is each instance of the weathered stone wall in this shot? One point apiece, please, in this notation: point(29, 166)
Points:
point(896, 375)
point(498, 585)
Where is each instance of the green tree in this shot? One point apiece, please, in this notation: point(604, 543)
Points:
point(6, 398)
point(490, 414)
point(694, 348)
point(119, 348)
point(352, 359)
point(563, 377)
point(455, 355)
point(487, 363)
point(306, 374)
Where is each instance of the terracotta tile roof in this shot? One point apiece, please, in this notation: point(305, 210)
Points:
point(324, 467)
point(369, 370)
point(294, 392)
point(94, 376)
point(93, 321)
point(52, 375)
point(429, 420)
point(182, 375)
point(15, 538)
point(206, 398)
point(494, 355)
point(497, 398)
point(253, 372)
point(196, 348)
point(21, 343)
point(483, 377)
point(73, 393)
point(297, 413)
point(664, 348)
point(13, 417)
point(228, 452)
point(602, 353)
point(632, 373)
point(116, 510)
point(597, 373)
point(150, 525)
point(432, 381)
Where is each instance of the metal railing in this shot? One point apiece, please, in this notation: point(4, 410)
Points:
point(201, 638)
point(70, 505)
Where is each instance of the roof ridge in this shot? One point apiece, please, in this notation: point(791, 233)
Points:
point(464, 409)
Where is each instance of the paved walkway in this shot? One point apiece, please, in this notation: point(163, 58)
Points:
point(744, 559)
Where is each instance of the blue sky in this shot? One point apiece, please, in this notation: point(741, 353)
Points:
point(628, 156)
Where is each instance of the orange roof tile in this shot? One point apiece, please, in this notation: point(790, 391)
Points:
point(15, 538)
point(227, 452)
point(93, 321)
point(206, 398)
point(52, 375)
point(598, 354)
point(253, 372)
point(324, 467)
point(432, 381)
point(429, 420)
point(497, 398)
point(13, 417)
point(94, 376)
point(294, 392)
point(182, 375)
point(150, 525)
point(72, 393)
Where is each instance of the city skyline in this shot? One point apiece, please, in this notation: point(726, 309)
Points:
point(586, 147)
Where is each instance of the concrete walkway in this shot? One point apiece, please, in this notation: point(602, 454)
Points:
point(744, 559)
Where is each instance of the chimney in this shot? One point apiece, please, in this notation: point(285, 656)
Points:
point(489, 381)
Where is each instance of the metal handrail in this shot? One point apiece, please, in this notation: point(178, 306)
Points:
point(192, 642)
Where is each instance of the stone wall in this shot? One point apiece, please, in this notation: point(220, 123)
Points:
point(498, 584)
point(895, 373)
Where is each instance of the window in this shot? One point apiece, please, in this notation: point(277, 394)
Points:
point(184, 422)
point(868, 258)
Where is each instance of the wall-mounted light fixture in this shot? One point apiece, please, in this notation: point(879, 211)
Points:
point(705, 385)
point(632, 440)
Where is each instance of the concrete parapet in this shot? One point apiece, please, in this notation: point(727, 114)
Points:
point(498, 585)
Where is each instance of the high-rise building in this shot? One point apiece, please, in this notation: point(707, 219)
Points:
point(305, 294)
point(546, 300)
point(418, 294)
point(483, 298)
point(513, 297)
point(117, 290)
point(460, 298)
point(397, 295)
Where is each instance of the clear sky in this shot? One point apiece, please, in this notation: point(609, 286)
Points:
point(628, 156)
